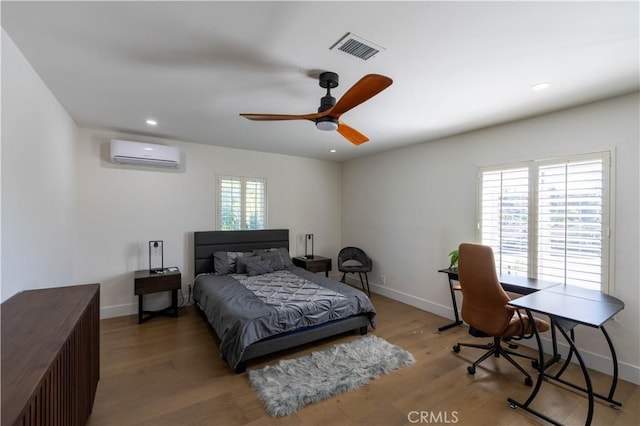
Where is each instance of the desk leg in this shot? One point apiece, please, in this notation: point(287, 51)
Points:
point(525, 406)
point(614, 381)
point(140, 309)
point(585, 372)
point(455, 309)
point(554, 344)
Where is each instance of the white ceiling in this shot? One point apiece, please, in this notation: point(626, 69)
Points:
point(194, 66)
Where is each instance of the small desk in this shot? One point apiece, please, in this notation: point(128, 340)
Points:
point(568, 306)
point(314, 264)
point(146, 282)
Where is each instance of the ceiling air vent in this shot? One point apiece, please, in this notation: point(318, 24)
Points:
point(356, 46)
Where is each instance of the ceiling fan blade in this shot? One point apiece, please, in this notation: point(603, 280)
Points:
point(351, 134)
point(366, 88)
point(273, 117)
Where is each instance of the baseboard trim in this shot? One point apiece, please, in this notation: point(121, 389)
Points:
point(118, 311)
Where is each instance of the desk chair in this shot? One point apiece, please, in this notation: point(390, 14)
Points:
point(485, 308)
point(355, 260)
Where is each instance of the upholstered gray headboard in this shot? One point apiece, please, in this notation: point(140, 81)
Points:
point(208, 242)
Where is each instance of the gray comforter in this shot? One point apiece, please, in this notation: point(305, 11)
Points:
point(243, 309)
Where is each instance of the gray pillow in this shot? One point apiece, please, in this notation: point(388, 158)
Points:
point(274, 258)
point(225, 262)
point(284, 255)
point(286, 258)
point(241, 263)
point(258, 266)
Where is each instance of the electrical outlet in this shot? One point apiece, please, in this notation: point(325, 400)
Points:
point(383, 278)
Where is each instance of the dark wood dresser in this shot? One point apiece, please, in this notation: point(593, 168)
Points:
point(50, 355)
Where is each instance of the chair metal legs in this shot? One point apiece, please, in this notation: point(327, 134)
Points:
point(362, 282)
point(495, 348)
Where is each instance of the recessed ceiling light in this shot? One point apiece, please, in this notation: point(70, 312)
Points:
point(152, 122)
point(540, 86)
point(332, 150)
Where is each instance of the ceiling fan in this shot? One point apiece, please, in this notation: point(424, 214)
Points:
point(329, 112)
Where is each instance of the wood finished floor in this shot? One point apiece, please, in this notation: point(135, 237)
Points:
point(168, 372)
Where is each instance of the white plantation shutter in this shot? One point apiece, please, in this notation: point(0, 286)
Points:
point(241, 203)
point(504, 221)
point(230, 203)
point(571, 213)
point(549, 219)
point(254, 204)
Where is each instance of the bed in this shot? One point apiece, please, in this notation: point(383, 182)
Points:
point(259, 303)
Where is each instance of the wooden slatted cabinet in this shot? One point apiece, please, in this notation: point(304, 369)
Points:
point(50, 355)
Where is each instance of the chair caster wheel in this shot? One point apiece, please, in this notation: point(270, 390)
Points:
point(528, 381)
point(535, 364)
point(471, 369)
point(456, 348)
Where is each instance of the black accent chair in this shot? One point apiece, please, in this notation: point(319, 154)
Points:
point(355, 260)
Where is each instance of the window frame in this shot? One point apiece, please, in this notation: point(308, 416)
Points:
point(608, 204)
point(220, 177)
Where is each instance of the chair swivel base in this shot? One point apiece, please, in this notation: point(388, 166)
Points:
point(496, 349)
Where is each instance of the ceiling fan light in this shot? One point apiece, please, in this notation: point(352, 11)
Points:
point(541, 86)
point(327, 123)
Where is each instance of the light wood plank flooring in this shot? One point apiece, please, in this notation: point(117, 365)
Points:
point(168, 372)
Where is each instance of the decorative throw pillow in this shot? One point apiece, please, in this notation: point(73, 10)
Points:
point(241, 263)
point(225, 262)
point(274, 258)
point(258, 266)
point(286, 258)
point(284, 255)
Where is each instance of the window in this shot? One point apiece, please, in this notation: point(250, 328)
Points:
point(549, 219)
point(241, 203)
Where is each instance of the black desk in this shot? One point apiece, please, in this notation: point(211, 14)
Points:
point(568, 306)
point(511, 283)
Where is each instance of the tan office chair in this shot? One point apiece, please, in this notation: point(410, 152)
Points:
point(485, 309)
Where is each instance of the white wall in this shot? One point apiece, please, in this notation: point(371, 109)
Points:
point(121, 208)
point(38, 180)
point(71, 217)
point(410, 207)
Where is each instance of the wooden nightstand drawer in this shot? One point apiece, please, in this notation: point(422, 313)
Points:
point(146, 282)
point(317, 264)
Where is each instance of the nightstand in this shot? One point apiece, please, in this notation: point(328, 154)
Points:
point(146, 282)
point(314, 264)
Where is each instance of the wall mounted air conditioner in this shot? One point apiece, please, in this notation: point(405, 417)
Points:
point(144, 154)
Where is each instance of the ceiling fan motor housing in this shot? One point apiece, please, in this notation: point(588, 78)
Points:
point(326, 102)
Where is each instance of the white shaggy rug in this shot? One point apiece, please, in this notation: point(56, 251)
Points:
point(291, 384)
